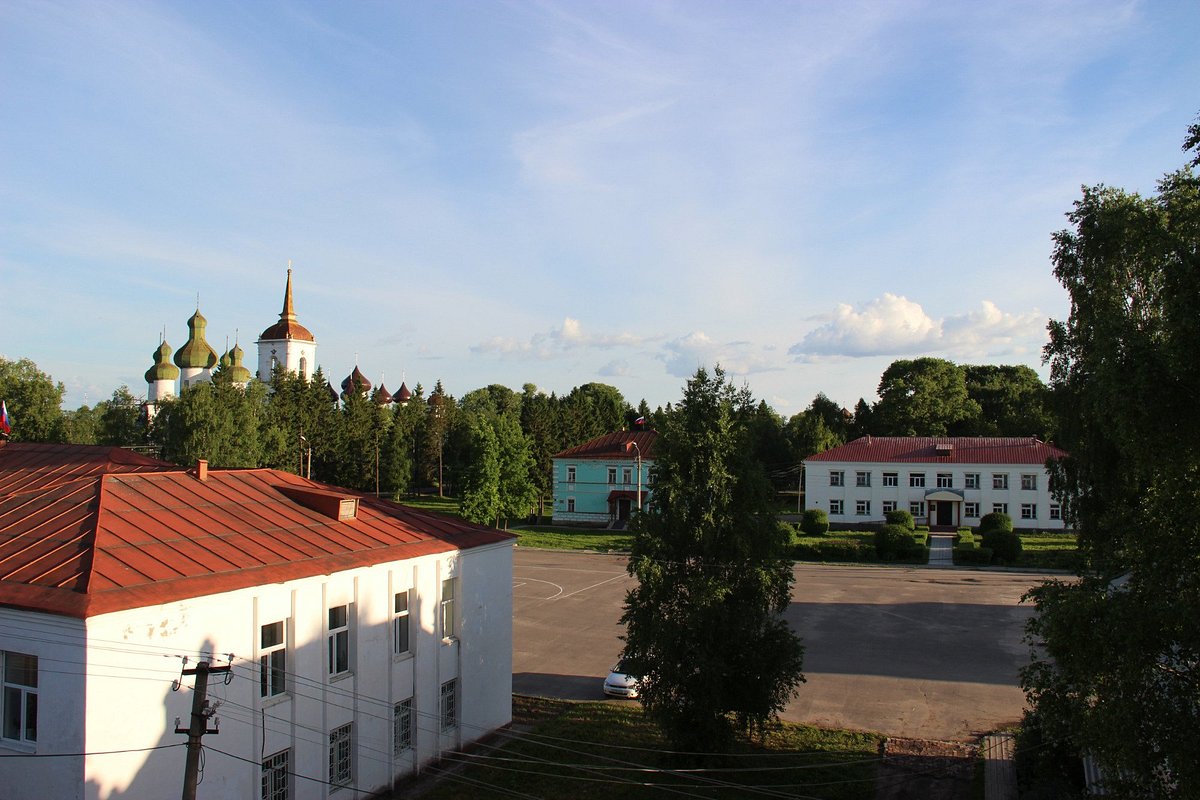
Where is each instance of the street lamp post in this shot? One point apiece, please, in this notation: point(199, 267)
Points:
point(639, 473)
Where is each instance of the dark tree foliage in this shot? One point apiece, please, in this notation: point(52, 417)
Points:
point(218, 422)
point(122, 421)
point(1012, 400)
point(539, 423)
point(923, 397)
point(33, 399)
point(591, 410)
point(703, 625)
point(439, 421)
point(1118, 673)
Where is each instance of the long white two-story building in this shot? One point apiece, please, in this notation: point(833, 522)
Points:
point(942, 481)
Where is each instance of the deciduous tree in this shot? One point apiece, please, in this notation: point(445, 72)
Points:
point(923, 397)
point(703, 624)
point(34, 401)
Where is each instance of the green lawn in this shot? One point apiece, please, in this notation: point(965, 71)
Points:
point(562, 538)
point(444, 505)
point(562, 748)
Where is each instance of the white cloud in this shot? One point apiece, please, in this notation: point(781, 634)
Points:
point(567, 337)
point(618, 368)
point(893, 325)
point(684, 355)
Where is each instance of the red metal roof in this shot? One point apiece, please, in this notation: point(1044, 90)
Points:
point(107, 542)
point(944, 450)
point(613, 445)
point(27, 466)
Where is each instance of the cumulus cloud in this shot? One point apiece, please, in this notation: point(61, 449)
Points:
point(893, 325)
point(618, 368)
point(683, 355)
point(559, 341)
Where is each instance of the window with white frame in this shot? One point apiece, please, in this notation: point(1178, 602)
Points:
point(889, 505)
point(272, 660)
point(450, 705)
point(449, 621)
point(891, 479)
point(612, 476)
point(862, 507)
point(971, 510)
point(1028, 510)
point(275, 776)
point(402, 727)
point(20, 701)
point(916, 480)
point(570, 474)
point(400, 621)
point(1055, 511)
point(862, 479)
point(945, 480)
point(627, 475)
point(971, 480)
point(837, 477)
point(999, 480)
point(835, 506)
point(917, 508)
point(339, 640)
point(1029, 482)
point(341, 755)
point(999, 508)
point(570, 505)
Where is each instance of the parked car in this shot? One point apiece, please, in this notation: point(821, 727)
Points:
point(620, 683)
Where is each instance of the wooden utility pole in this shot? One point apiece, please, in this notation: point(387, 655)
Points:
point(199, 725)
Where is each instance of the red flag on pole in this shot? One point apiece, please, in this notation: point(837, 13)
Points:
point(5, 423)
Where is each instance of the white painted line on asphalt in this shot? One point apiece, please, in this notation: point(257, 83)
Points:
point(586, 588)
point(555, 585)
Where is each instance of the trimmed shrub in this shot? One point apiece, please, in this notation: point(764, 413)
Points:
point(901, 517)
point(965, 537)
point(893, 542)
point(1005, 545)
point(970, 555)
point(814, 522)
point(833, 550)
point(994, 522)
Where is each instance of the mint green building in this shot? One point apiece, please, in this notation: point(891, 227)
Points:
point(599, 482)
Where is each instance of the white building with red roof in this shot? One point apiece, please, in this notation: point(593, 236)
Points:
point(601, 481)
point(364, 638)
point(948, 481)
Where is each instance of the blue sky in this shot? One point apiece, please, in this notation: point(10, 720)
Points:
point(563, 192)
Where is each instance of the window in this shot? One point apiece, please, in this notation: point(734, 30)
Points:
point(889, 505)
point(570, 474)
point(917, 508)
point(400, 623)
point(402, 727)
point(20, 696)
point(612, 475)
point(1028, 510)
point(339, 640)
point(971, 510)
point(340, 752)
point(835, 506)
point(303, 367)
point(999, 480)
point(971, 480)
point(916, 480)
point(570, 505)
point(862, 508)
point(862, 479)
point(272, 661)
point(449, 628)
point(1029, 482)
point(450, 705)
point(999, 508)
point(945, 480)
point(627, 475)
point(1055, 511)
point(275, 776)
point(891, 479)
point(837, 478)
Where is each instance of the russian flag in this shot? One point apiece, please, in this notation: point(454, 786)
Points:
point(5, 422)
point(640, 421)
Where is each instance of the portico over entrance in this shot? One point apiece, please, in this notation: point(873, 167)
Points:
point(945, 507)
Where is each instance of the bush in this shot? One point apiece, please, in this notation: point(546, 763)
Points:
point(814, 522)
point(994, 522)
point(833, 550)
point(965, 537)
point(972, 555)
point(893, 542)
point(900, 517)
point(1005, 545)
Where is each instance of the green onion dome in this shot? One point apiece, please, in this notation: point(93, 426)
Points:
point(162, 370)
point(196, 354)
point(237, 372)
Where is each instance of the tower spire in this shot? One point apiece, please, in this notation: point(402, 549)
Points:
point(289, 312)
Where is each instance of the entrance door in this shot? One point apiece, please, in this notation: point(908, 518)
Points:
point(623, 505)
point(945, 513)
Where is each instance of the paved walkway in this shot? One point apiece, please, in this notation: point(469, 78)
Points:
point(941, 549)
point(999, 774)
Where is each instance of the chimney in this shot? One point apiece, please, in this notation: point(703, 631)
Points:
point(202, 469)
